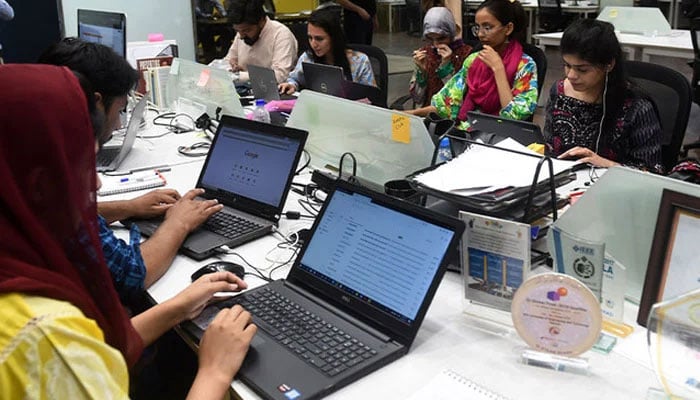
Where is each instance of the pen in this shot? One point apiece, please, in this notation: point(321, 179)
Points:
point(141, 178)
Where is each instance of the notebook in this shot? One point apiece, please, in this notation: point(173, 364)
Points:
point(330, 80)
point(264, 84)
point(522, 132)
point(450, 384)
point(110, 157)
point(365, 278)
point(249, 169)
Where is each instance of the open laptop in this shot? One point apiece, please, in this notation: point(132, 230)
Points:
point(264, 84)
point(249, 169)
point(329, 79)
point(357, 294)
point(522, 132)
point(111, 156)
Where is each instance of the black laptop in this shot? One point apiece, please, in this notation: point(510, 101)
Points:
point(330, 80)
point(264, 84)
point(111, 156)
point(523, 132)
point(353, 300)
point(249, 169)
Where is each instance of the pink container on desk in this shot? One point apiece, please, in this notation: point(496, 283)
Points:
point(155, 37)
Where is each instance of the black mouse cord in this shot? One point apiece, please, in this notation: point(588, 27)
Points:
point(227, 250)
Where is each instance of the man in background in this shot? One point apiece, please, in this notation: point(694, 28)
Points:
point(259, 41)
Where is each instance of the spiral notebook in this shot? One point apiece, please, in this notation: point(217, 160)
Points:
point(450, 385)
point(130, 183)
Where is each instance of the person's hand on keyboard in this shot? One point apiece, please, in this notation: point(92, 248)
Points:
point(153, 203)
point(189, 213)
point(222, 350)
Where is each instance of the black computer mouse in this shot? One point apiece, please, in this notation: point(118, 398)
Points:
point(217, 266)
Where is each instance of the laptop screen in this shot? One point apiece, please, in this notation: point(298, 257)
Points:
point(107, 28)
point(251, 163)
point(384, 258)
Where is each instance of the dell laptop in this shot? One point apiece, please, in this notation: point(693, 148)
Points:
point(523, 132)
point(354, 298)
point(249, 169)
point(110, 157)
point(329, 79)
point(264, 84)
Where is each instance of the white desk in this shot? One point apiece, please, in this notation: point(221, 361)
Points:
point(677, 44)
point(448, 339)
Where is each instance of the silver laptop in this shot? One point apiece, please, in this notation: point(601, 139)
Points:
point(249, 169)
point(353, 300)
point(264, 84)
point(110, 157)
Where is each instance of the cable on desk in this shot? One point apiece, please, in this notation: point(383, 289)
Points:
point(227, 250)
point(191, 150)
point(306, 163)
point(172, 124)
point(354, 164)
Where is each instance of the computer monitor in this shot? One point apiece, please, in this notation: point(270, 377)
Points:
point(103, 27)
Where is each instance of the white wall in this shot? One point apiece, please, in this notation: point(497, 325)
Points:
point(172, 18)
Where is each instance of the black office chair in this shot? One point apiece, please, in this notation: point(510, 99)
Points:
point(300, 32)
point(551, 18)
point(380, 67)
point(695, 81)
point(670, 91)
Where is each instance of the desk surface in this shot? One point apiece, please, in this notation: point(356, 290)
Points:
point(448, 338)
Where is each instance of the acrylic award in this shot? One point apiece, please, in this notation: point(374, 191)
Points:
point(559, 318)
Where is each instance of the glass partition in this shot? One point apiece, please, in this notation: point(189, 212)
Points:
point(620, 209)
point(647, 21)
point(387, 144)
point(192, 86)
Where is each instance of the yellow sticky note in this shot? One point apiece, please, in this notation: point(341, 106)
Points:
point(613, 13)
point(400, 128)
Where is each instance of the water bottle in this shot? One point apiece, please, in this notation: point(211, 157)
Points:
point(444, 150)
point(260, 113)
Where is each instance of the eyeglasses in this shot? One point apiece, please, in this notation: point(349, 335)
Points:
point(438, 39)
point(486, 29)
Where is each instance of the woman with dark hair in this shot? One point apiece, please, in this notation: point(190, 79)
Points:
point(500, 79)
point(327, 46)
point(440, 58)
point(594, 114)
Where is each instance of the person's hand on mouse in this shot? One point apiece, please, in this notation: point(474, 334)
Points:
point(586, 155)
point(153, 203)
point(188, 213)
point(196, 296)
point(222, 350)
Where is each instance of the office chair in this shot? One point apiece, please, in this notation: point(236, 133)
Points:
point(670, 91)
point(300, 32)
point(551, 18)
point(695, 80)
point(380, 67)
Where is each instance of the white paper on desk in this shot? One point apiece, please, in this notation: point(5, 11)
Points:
point(489, 169)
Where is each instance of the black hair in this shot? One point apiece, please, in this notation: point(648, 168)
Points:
point(108, 73)
point(246, 12)
point(96, 118)
point(328, 20)
point(506, 11)
point(595, 42)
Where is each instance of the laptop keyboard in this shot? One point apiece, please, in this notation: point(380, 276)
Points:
point(229, 225)
point(106, 156)
point(314, 340)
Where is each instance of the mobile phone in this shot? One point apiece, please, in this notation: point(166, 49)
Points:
point(435, 50)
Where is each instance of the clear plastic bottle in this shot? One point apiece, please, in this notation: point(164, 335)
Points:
point(260, 113)
point(444, 150)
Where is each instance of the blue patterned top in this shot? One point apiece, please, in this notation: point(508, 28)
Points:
point(124, 261)
point(360, 69)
